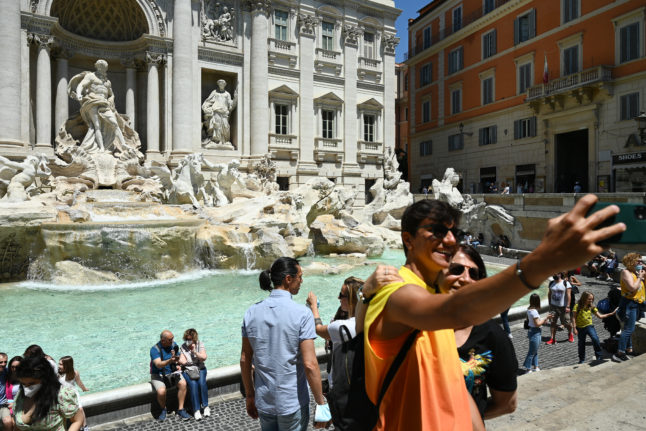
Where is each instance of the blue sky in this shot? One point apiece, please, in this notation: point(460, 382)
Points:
point(409, 10)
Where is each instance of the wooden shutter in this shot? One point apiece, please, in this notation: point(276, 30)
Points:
point(517, 129)
point(532, 126)
point(494, 134)
point(532, 23)
point(516, 31)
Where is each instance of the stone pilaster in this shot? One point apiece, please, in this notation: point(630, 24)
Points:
point(43, 90)
point(307, 34)
point(351, 36)
point(182, 77)
point(10, 77)
point(62, 102)
point(259, 125)
point(390, 42)
point(154, 61)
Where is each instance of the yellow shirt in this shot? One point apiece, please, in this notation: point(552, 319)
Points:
point(638, 296)
point(583, 316)
point(428, 391)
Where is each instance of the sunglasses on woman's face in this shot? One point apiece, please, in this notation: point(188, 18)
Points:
point(458, 269)
point(341, 296)
point(439, 231)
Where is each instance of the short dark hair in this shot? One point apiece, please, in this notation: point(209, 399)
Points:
point(433, 209)
point(282, 267)
point(474, 255)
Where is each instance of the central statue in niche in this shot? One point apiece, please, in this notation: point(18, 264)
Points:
point(217, 110)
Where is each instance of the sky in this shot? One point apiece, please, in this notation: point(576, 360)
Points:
point(409, 10)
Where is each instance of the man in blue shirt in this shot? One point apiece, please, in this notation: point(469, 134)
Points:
point(164, 360)
point(5, 414)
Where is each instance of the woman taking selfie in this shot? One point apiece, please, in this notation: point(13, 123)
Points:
point(42, 403)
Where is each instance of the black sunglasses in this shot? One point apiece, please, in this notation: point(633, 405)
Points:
point(439, 231)
point(458, 269)
point(341, 296)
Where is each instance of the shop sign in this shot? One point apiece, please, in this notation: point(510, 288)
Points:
point(621, 159)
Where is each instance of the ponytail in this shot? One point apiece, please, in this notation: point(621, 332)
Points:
point(282, 267)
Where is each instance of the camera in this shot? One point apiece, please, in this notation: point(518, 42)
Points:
point(172, 379)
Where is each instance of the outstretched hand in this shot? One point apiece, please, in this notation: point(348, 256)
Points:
point(383, 275)
point(571, 238)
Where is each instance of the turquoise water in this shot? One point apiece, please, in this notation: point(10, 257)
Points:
point(110, 329)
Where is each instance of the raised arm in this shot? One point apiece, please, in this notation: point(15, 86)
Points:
point(569, 240)
point(321, 329)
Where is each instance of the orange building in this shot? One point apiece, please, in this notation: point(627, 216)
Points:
point(401, 118)
point(538, 95)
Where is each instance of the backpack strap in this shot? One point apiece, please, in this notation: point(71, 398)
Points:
point(394, 367)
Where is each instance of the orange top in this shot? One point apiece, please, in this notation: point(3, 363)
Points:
point(428, 391)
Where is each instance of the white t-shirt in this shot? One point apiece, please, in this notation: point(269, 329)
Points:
point(557, 298)
point(531, 314)
point(334, 330)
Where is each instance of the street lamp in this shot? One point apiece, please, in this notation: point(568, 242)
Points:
point(461, 128)
point(641, 126)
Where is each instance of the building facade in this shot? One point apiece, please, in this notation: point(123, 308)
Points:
point(535, 94)
point(312, 83)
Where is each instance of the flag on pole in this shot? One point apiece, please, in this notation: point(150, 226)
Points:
point(546, 77)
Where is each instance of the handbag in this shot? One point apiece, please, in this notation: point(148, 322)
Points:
point(192, 372)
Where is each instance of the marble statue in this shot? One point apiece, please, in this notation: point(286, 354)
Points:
point(94, 91)
point(392, 175)
point(217, 25)
point(217, 109)
point(446, 190)
point(17, 178)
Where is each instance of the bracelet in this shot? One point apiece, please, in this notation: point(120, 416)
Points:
point(318, 321)
point(363, 298)
point(521, 277)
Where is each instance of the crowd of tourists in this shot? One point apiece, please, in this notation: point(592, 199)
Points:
point(426, 348)
point(38, 393)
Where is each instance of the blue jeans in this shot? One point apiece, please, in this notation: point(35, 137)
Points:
point(534, 335)
point(505, 321)
point(296, 421)
point(630, 309)
point(197, 391)
point(596, 345)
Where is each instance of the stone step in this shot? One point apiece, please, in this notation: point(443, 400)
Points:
point(605, 396)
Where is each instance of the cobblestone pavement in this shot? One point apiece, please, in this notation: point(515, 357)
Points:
point(228, 413)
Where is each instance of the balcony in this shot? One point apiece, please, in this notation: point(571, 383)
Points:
point(369, 67)
point(581, 85)
point(370, 152)
point(328, 149)
point(327, 60)
point(283, 145)
point(282, 52)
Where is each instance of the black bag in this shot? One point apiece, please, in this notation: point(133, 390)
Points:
point(526, 323)
point(350, 406)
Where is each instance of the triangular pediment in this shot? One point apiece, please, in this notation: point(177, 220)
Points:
point(329, 99)
point(283, 92)
point(371, 103)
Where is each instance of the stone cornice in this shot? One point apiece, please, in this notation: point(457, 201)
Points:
point(328, 79)
point(37, 23)
point(372, 87)
point(216, 56)
point(281, 71)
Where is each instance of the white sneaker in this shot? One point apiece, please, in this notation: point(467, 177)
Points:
point(511, 337)
point(207, 412)
point(536, 369)
point(197, 415)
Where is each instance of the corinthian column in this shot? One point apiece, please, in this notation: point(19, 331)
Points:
point(10, 73)
point(259, 91)
point(131, 90)
point(182, 77)
point(43, 91)
point(307, 32)
point(152, 105)
point(390, 42)
point(350, 134)
point(61, 105)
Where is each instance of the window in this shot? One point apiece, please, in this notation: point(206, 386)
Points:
point(457, 18)
point(427, 37)
point(405, 114)
point(425, 75)
point(283, 183)
point(571, 60)
point(489, 44)
point(280, 24)
point(328, 123)
point(425, 148)
point(426, 111)
point(629, 106)
point(282, 117)
point(368, 128)
point(570, 10)
point(524, 77)
point(456, 142)
point(487, 91)
point(487, 135)
point(524, 128)
point(327, 35)
point(406, 82)
point(369, 45)
point(488, 6)
point(456, 101)
point(525, 27)
point(629, 44)
point(455, 60)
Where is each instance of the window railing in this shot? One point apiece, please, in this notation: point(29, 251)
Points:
point(282, 141)
point(569, 82)
point(368, 63)
point(280, 45)
point(326, 54)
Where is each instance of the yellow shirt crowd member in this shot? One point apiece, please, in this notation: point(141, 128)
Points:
point(638, 296)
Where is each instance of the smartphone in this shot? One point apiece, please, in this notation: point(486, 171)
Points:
point(632, 215)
